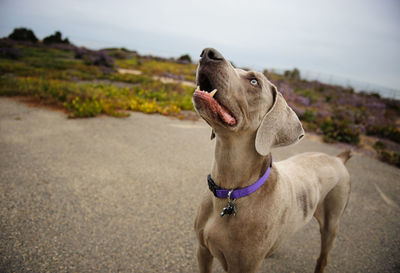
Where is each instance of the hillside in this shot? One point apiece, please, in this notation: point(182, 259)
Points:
point(114, 81)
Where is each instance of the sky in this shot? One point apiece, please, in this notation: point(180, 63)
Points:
point(356, 41)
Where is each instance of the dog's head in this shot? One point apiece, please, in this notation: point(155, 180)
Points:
point(235, 101)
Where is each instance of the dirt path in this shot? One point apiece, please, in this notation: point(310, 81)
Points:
point(120, 195)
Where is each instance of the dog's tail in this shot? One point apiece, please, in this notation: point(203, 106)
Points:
point(345, 155)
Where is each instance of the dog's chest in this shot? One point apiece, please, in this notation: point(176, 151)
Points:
point(221, 235)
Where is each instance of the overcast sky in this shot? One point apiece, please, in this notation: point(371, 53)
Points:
point(356, 40)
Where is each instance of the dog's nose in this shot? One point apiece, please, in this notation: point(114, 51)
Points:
point(210, 55)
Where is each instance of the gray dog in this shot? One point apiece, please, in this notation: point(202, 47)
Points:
point(262, 202)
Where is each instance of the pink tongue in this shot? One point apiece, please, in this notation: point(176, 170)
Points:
point(224, 114)
point(216, 107)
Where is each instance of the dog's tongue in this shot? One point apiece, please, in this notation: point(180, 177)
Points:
point(225, 115)
point(215, 107)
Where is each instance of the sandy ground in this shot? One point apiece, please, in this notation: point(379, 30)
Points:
point(120, 195)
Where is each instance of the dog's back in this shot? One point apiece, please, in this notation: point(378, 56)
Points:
point(308, 178)
point(328, 170)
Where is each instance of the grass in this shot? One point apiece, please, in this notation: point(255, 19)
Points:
point(308, 93)
point(154, 67)
point(89, 100)
point(53, 76)
point(52, 66)
point(339, 130)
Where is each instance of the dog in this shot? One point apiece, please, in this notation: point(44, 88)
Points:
point(249, 117)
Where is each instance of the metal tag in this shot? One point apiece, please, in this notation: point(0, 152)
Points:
point(230, 208)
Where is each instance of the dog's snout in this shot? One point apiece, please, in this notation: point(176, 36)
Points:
point(210, 55)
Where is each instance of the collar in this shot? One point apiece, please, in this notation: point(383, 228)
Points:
point(238, 193)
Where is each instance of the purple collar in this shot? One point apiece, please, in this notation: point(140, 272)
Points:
point(238, 193)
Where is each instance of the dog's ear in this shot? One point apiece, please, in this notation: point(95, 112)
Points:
point(212, 134)
point(279, 127)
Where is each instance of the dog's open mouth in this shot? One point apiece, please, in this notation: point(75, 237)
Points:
point(217, 109)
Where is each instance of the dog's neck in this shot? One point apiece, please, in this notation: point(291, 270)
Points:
point(236, 161)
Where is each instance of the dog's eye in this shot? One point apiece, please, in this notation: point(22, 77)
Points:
point(254, 82)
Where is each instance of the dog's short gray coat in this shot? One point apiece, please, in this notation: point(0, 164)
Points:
point(303, 186)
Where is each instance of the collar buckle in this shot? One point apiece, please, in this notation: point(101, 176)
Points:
point(212, 186)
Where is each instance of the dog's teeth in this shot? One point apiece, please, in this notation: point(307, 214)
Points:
point(212, 93)
point(198, 88)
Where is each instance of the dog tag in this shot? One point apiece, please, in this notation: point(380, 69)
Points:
point(229, 209)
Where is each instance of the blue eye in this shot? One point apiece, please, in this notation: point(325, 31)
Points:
point(254, 82)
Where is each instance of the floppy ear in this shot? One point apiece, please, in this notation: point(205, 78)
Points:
point(212, 134)
point(279, 127)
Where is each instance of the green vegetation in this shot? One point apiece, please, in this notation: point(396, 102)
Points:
point(386, 155)
point(89, 100)
point(86, 83)
point(55, 38)
point(339, 130)
point(293, 75)
point(185, 59)
point(308, 93)
point(389, 131)
point(23, 34)
point(308, 116)
point(159, 67)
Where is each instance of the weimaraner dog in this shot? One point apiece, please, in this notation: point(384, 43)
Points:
point(261, 202)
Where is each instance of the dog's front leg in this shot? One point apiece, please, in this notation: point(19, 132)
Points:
point(205, 259)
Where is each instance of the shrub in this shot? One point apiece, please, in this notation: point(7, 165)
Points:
point(307, 93)
point(293, 75)
point(386, 131)
point(10, 53)
point(98, 58)
point(84, 108)
point(118, 54)
point(80, 52)
point(185, 59)
point(379, 145)
point(308, 116)
point(328, 98)
point(390, 157)
point(56, 38)
point(23, 34)
point(149, 107)
point(340, 130)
